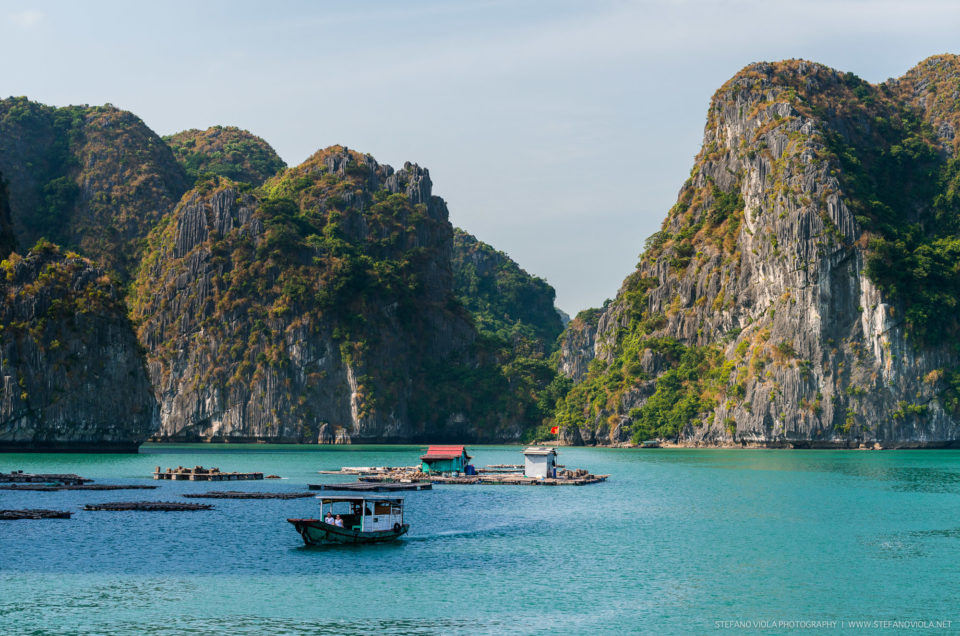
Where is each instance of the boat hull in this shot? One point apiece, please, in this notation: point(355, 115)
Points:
point(316, 532)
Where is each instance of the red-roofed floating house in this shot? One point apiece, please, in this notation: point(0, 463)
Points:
point(445, 459)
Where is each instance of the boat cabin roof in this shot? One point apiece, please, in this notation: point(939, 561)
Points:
point(333, 498)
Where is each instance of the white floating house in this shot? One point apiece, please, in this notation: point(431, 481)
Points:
point(540, 462)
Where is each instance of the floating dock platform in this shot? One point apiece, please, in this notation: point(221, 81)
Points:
point(199, 473)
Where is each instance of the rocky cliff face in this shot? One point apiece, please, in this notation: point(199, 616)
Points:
point(317, 308)
point(71, 373)
point(226, 151)
point(577, 344)
point(7, 241)
point(800, 292)
point(95, 179)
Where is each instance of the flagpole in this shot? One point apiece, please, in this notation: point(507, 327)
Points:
point(555, 430)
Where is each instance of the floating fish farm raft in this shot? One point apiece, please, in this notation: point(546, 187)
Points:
point(236, 494)
point(55, 487)
point(20, 477)
point(373, 487)
point(199, 473)
point(408, 478)
point(450, 464)
point(35, 513)
point(147, 506)
point(501, 479)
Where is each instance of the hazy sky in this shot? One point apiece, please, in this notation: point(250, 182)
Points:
point(559, 132)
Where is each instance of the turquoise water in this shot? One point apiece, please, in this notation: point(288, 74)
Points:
point(678, 541)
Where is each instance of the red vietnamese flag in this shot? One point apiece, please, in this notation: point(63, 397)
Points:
point(554, 430)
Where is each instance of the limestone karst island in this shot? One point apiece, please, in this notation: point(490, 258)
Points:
point(802, 291)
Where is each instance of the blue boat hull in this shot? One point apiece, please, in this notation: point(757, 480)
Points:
point(316, 532)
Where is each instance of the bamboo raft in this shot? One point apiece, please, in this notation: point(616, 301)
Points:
point(366, 485)
point(49, 488)
point(20, 477)
point(199, 473)
point(147, 506)
point(236, 494)
point(34, 513)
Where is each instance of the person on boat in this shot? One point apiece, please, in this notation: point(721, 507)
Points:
point(328, 518)
point(338, 522)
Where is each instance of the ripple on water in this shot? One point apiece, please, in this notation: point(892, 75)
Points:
point(674, 541)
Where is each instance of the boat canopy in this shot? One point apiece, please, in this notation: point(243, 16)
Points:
point(337, 498)
point(365, 514)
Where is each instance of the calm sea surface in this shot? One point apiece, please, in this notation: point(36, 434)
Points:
point(678, 541)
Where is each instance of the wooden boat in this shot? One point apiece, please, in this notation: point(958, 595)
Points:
point(365, 520)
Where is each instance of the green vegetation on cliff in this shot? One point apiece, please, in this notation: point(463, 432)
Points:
point(681, 382)
point(515, 315)
point(505, 301)
point(226, 151)
point(903, 189)
point(55, 287)
point(36, 155)
point(94, 179)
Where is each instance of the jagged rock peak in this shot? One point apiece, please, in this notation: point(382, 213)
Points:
point(363, 169)
point(226, 151)
point(783, 74)
point(933, 88)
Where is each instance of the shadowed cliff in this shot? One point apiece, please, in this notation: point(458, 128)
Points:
point(72, 376)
